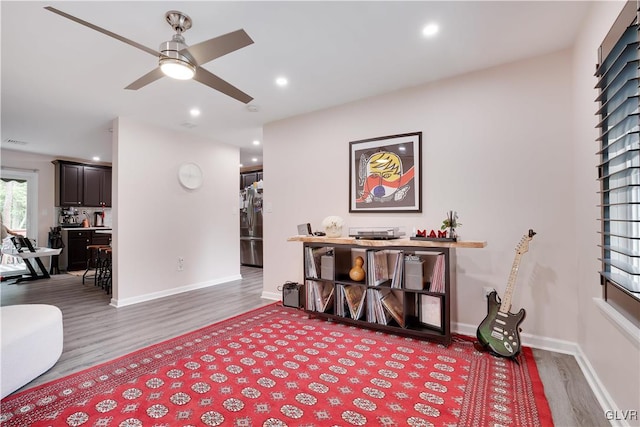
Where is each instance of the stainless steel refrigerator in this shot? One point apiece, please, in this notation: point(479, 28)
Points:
point(251, 227)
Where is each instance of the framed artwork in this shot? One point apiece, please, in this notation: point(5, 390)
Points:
point(430, 311)
point(385, 174)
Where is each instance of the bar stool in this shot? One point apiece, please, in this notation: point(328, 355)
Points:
point(104, 272)
point(92, 263)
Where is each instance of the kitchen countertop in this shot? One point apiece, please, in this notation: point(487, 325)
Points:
point(86, 228)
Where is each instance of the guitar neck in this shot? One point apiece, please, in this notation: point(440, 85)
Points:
point(505, 304)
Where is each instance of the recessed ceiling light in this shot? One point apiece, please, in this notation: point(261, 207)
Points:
point(255, 159)
point(240, 164)
point(96, 158)
point(194, 112)
point(256, 142)
point(430, 30)
point(281, 81)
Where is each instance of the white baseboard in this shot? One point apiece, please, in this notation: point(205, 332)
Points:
point(529, 340)
point(599, 390)
point(276, 296)
point(463, 329)
point(173, 291)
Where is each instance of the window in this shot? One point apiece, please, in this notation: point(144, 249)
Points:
point(619, 168)
point(19, 206)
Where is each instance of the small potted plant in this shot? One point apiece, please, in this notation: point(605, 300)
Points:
point(451, 222)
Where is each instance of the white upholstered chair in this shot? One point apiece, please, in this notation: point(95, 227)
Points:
point(31, 343)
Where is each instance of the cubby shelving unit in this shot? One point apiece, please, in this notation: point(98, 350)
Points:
point(422, 312)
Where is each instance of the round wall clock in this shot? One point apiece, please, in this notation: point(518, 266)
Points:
point(190, 175)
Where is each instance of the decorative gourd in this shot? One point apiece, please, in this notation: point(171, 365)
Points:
point(357, 272)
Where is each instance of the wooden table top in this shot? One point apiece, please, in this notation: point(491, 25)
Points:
point(390, 242)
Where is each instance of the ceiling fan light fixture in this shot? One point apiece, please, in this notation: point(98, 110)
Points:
point(177, 69)
point(176, 59)
point(172, 63)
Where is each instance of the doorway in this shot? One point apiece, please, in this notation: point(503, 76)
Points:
point(18, 206)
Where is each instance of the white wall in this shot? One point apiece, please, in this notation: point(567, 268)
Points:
point(509, 148)
point(156, 220)
point(613, 355)
point(496, 148)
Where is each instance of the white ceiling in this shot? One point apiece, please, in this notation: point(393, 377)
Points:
point(63, 83)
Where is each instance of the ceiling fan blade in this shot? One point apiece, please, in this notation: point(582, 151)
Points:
point(103, 31)
point(150, 77)
point(216, 47)
point(215, 82)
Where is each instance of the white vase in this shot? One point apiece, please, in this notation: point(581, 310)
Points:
point(333, 231)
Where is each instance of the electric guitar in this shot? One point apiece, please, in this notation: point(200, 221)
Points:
point(500, 331)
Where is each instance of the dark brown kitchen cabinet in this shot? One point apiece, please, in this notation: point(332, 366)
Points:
point(106, 196)
point(77, 253)
point(100, 239)
point(76, 247)
point(77, 184)
point(97, 186)
point(69, 184)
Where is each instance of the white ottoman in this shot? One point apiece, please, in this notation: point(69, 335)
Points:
point(31, 343)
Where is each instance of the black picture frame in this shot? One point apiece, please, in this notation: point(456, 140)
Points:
point(385, 174)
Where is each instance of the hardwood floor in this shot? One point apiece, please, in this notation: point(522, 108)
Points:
point(94, 332)
point(570, 398)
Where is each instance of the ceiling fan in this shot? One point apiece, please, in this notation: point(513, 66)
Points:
point(177, 60)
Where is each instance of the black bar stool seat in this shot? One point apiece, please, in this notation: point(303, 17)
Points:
point(93, 263)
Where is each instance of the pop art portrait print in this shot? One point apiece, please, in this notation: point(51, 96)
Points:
point(385, 174)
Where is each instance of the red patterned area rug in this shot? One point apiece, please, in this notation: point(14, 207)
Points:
point(275, 367)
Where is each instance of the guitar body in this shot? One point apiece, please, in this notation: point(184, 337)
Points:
point(500, 332)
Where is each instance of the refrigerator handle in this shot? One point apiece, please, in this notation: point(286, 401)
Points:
point(251, 213)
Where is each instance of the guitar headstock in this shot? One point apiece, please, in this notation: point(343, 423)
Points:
point(523, 246)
